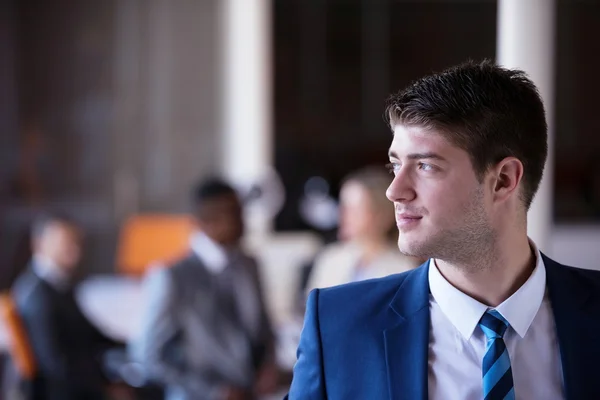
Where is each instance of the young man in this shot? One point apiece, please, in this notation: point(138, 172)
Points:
point(68, 349)
point(206, 334)
point(488, 316)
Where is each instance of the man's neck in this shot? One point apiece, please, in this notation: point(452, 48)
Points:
point(495, 276)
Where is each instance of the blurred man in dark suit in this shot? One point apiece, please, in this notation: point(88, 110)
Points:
point(205, 333)
point(67, 347)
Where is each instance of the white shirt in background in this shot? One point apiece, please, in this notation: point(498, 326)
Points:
point(47, 270)
point(212, 255)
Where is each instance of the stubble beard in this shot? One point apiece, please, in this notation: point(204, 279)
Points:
point(469, 244)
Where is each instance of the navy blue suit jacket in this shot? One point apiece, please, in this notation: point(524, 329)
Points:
point(370, 340)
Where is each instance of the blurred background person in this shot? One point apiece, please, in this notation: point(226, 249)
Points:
point(367, 247)
point(67, 348)
point(205, 333)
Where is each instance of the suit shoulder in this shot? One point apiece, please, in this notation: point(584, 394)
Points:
point(184, 261)
point(181, 268)
point(183, 275)
point(30, 293)
point(588, 275)
point(576, 278)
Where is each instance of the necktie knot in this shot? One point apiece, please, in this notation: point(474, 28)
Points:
point(493, 324)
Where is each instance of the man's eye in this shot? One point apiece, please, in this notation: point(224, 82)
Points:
point(425, 166)
point(393, 167)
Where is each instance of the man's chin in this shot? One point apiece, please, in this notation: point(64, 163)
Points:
point(411, 249)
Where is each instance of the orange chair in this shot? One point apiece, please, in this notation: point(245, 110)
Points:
point(152, 238)
point(19, 347)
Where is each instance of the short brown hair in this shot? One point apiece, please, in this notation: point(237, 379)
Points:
point(489, 111)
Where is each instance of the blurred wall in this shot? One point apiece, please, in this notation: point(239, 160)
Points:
point(111, 107)
point(166, 101)
point(108, 109)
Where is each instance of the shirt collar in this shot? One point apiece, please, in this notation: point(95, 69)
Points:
point(521, 308)
point(464, 312)
point(212, 255)
point(47, 270)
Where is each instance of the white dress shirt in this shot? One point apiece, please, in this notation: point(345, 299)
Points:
point(212, 255)
point(47, 270)
point(457, 343)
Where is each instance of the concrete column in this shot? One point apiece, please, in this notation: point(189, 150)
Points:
point(526, 37)
point(246, 147)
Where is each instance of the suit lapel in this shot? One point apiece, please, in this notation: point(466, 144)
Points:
point(577, 317)
point(407, 338)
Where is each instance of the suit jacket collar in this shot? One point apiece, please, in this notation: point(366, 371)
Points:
point(413, 293)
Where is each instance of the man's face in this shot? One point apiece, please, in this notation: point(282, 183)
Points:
point(61, 243)
point(355, 211)
point(221, 219)
point(359, 216)
point(440, 204)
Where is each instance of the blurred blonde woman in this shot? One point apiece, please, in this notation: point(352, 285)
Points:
point(366, 246)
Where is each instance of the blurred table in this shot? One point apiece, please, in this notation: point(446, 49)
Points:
point(113, 303)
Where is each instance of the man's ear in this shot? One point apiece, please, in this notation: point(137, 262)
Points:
point(507, 175)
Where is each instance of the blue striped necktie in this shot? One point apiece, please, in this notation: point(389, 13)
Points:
point(496, 369)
